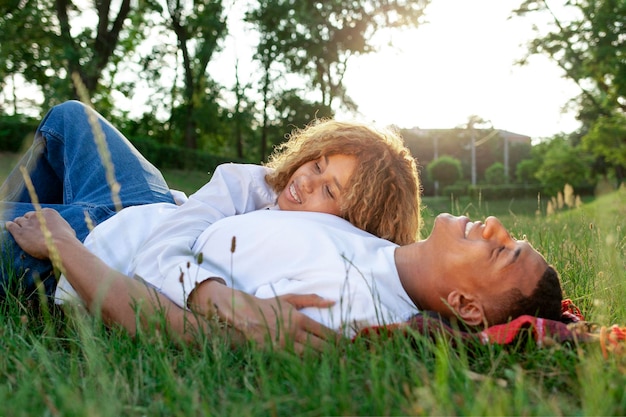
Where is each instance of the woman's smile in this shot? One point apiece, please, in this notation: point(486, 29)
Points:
point(319, 185)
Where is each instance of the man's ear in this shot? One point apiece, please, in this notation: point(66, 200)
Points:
point(466, 307)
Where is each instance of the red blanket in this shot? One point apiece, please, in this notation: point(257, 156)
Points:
point(543, 331)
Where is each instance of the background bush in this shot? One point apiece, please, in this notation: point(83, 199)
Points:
point(174, 157)
point(15, 131)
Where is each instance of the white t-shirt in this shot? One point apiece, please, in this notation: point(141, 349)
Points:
point(275, 253)
point(155, 240)
point(281, 252)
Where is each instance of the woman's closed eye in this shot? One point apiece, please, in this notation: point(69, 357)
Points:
point(329, 192)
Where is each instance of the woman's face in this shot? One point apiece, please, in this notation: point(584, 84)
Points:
point(319, 185)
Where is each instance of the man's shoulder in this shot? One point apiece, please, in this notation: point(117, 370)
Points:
point(307, 220)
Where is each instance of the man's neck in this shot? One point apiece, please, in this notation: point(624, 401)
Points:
point(412, 274)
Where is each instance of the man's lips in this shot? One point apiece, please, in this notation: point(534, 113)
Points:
point(469, 226)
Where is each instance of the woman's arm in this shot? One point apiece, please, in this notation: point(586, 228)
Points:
point(233, 189)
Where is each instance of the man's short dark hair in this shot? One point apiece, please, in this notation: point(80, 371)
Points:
point(544, 301)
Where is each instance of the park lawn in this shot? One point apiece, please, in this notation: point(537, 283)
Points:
point(73, 365)
point(7, 161)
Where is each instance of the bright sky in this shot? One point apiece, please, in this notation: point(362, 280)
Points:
point(459, 64)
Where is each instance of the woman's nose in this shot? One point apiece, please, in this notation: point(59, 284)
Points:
point(495, 230)
point(307, 183)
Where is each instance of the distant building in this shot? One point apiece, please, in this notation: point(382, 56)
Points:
point(489, 146)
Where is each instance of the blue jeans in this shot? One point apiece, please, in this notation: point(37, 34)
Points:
point(69, 176)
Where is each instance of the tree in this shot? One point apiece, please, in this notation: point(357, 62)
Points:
point(606, 139)
point(57, 39)
point(495, 174)
point(26, 50)
point(589, 47)
point(315, 39)
point(563, 164)
point(525, 171)
point(265, 17)
point(198, 29)
point(446, 170)
point(89, 62)
point(239, 113)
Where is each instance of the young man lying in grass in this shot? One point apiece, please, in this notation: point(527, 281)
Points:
point(356, 272)
point(473, 271)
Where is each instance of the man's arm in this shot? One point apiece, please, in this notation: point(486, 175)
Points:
point(117, 297)
point(267, 321)
point(113, 295)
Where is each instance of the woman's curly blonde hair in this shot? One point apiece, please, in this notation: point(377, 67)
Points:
point(383, 194)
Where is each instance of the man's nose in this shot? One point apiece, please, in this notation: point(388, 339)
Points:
point(495, 230)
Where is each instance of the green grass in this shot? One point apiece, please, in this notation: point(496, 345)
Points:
point(186, 181)
point(74, 366)
point(7, 161)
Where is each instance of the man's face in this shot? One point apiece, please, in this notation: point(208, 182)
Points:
point(319, 185)
point(482, 258)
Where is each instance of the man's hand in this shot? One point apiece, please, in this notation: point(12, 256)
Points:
point(271, 321)
point(29, 233)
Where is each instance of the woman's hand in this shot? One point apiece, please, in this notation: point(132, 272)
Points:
point(271, 321)
point(300, 301)
point(36, 240)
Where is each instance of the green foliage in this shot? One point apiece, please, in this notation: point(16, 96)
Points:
point(298, 111)
point(15, 133)
point(607, 139)
point(45, 42)
point(459, 188)
point(198, 32)
point(564, 164)
point(586, 39)
point(28, 51)
point(315, 39)
point(173, 157)
point(526, 170)
point(445, 169)
point(495, 174)
point(504, 191)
